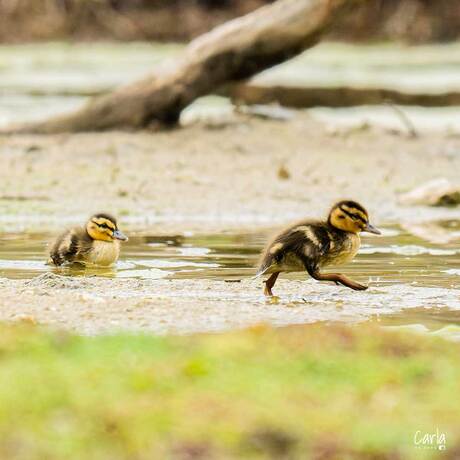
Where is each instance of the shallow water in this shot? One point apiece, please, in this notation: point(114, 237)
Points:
point(396, 257)
point(143, 256)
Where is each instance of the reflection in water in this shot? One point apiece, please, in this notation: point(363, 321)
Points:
point(395, 258)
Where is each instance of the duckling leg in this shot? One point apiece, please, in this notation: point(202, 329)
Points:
point(270, 283)
point(338, 279)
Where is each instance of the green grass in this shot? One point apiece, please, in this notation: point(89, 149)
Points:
point(301, 392)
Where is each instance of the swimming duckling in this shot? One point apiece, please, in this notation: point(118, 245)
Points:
point(97, 243)
point(312, 245)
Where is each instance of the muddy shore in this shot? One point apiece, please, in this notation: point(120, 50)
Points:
point(219, 176)
point(247, 174)
point(93, 306)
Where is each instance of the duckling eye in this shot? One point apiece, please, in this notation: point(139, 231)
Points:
point(103, 226)
point(341, 217)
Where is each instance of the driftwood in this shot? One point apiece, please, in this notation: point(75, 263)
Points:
point(234, 51)
point(305, 97)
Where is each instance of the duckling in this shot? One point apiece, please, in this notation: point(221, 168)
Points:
point(313, 245)
point(97, 243)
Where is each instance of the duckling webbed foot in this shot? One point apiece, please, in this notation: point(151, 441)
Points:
point(270, 283)
point(338, 278)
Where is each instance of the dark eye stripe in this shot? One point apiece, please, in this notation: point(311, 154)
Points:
point(105, 226)
point(353, 216)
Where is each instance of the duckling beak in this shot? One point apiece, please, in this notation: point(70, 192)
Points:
point(118, 235)
point(371, 229)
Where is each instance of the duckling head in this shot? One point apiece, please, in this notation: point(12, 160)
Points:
point(350, 216)
point(103, 227)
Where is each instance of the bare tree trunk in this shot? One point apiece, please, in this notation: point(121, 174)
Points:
point(234, 51)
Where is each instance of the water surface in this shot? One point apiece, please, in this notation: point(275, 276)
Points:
point(396, 257)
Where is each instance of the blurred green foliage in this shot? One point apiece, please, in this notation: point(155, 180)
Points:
point(302, 392)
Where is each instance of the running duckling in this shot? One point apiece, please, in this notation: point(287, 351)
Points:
point(312, 245)
point(97, 243)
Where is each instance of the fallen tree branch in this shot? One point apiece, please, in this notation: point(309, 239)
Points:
point(306, 97)
point(234, 51)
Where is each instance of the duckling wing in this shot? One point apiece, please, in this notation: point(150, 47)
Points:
point(70, 246)
point(296, 248)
